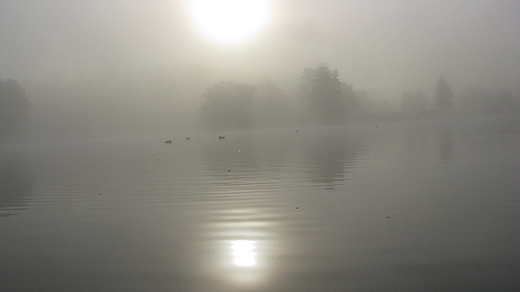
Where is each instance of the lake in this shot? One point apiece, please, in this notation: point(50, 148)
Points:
point(411, 206)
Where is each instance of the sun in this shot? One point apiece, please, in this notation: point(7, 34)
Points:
point(230, 21)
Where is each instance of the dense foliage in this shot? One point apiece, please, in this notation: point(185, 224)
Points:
point(321, 89)
point(443, 95)
point(228, 106)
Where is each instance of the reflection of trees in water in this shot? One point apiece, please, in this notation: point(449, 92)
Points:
point(15, 183)
point(446, 142)
point(420, 137)
point(327, 154)
point(330, 153)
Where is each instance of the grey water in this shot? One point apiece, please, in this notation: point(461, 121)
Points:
point(411, 206)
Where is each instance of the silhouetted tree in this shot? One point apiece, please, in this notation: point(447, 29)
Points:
point(322, 88)
point(14, 109)
point(443, 95)
point(271, 106)
point(228, 106)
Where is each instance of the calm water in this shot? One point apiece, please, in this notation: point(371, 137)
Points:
point(426, 206)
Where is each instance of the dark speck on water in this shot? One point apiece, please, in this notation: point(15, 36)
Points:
point(196, 228)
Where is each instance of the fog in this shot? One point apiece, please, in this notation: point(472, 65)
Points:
point(141, 67)
point(365, 144)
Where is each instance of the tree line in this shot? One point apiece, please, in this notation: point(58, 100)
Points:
point(322, 99)
point(325, 100)
point(471, 101)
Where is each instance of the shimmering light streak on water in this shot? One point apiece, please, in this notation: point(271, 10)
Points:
point(243, 253)
point(423, 206)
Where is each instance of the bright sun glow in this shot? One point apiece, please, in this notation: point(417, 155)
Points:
point(243, 253)
point(230, 21)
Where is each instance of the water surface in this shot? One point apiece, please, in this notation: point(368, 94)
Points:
point(423, 206)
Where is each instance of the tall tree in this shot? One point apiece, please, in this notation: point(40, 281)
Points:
point(14, 109)
point(322, 88)
point(443, 95)
point(228, 106)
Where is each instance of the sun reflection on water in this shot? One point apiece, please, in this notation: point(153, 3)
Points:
point(243, 253)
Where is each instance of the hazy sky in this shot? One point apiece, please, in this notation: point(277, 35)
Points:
point(402, 44)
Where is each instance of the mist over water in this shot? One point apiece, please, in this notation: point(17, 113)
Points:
point(106, 69)
point(304, 146)
point(16, 180)
point(401, 206)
